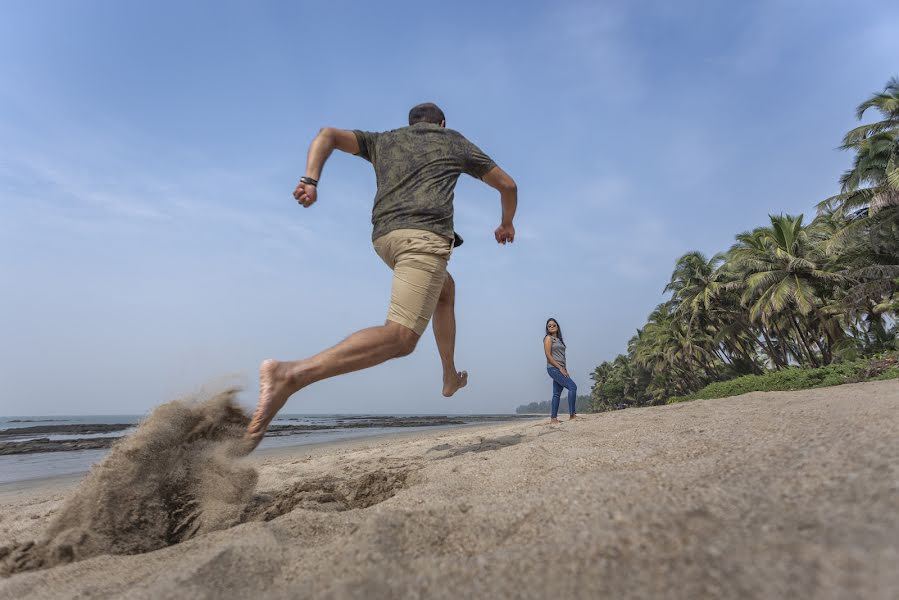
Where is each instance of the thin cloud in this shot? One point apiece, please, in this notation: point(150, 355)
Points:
point(596, 52)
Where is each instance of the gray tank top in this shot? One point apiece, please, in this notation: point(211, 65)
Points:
point(557, 352)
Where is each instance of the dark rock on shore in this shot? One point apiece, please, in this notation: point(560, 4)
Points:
point(364, 423)
point(48, 445)
point(8, 445)
point(64, 429)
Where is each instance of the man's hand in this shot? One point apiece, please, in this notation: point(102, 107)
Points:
point(564, 371)
point(306, 194)
point(505, 233)
point(508, 193)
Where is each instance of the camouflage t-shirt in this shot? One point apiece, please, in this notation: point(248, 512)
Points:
point(417, 168)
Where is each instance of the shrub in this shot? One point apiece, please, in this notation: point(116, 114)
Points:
point(797, 378)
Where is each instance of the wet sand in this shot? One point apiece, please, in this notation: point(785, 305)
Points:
point(784, 494)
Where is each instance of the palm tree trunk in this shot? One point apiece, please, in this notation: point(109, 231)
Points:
point(875, 326)
point(778, 363)
point(824, 346)
point(783, 343)
point(829, 341)
point(805, 344)
point(751, 361)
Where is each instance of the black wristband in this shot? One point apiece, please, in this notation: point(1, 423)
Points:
point(309, 181)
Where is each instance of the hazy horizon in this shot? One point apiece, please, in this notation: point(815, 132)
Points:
point(281, 415)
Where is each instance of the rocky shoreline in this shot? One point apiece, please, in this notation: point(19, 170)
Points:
point(48, 445)
point(81, 428)
point(365, 422)
point(9, 445)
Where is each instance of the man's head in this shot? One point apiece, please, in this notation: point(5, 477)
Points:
point(427, 113)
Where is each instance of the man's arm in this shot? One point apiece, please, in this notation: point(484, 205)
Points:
point(508, 193)
point(327, 140)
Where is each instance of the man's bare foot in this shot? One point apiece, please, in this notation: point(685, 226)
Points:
point(553, 421)
point(273, 394)
point(572, 417)
point(455, 384)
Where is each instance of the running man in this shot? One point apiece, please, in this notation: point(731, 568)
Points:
point(417, 168)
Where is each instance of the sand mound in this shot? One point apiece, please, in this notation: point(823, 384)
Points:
point(173, 478)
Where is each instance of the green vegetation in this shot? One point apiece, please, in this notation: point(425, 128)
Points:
point(582, 405)
point(798, 378)
point(792, 304)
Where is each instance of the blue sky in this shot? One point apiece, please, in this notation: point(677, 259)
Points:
point(149, 244)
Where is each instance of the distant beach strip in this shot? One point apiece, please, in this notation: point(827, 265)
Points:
point(92, 436)
point(40, 447)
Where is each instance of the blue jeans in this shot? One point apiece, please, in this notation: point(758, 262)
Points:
point(559, 382)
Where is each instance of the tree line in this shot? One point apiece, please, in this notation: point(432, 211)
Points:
point(583, 404)
point(791, 292)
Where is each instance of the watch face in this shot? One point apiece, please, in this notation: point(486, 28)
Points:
point(457, 240)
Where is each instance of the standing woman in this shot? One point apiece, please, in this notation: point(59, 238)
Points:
point(554, 348)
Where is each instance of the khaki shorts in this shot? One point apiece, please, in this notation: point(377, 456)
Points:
point(418, 259)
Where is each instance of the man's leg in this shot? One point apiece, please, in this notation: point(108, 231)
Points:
point(418, 260)
point(444, 324)
point(278, 381)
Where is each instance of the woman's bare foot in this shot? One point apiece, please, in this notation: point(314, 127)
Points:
point(455, 384)
point(554, 421)
point(572, 417)
point(274, 391)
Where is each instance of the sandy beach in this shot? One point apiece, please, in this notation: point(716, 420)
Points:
point(767, 495)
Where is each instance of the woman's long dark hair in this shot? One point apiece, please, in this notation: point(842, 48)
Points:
point(558, 329)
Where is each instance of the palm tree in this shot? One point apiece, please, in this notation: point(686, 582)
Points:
point(784, 278)
point(677, 360)
point(869, 257)
point(700, 296)
point(620, 381)
point(869, 244)
point(873, 180)
point(694, 284)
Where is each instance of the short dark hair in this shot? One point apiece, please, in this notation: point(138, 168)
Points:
point(427, 112)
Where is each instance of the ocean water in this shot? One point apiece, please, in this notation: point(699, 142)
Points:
point(22, 467)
